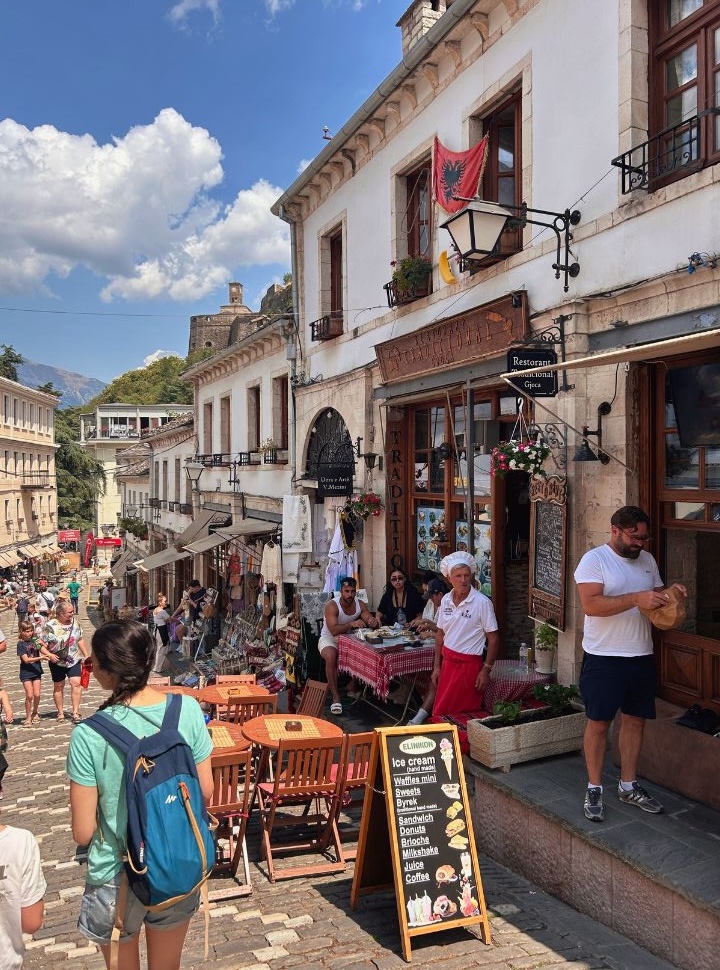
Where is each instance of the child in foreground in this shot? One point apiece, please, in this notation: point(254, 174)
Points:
point(21, 899)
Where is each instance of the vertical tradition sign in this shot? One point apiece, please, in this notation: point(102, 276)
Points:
point(416, 822)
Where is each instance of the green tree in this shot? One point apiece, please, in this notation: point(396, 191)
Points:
point(49, 388)
point(80, 478)
point(10, 360)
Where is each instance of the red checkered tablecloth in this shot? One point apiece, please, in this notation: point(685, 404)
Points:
point(509, 683)
point(377, 668)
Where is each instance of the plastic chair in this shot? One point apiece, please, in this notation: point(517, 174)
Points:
point(230, 804)
point(313, 697)
point(241, 709)
point(355, 768)
point(304, 781)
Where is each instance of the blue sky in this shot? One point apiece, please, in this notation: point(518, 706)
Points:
point(141, 144)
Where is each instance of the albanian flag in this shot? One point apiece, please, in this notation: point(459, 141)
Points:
point(457, 173)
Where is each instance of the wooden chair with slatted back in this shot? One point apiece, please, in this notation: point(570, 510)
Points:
point(236, 679)
point(313, 697)
point(298, 810)
point(241, 709)
point(230, 804)
point(158, 682)
point(356, 768)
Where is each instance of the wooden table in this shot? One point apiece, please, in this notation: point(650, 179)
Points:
point(219, 694)
point(227, 738)
point(175, 689)
point(267, 731)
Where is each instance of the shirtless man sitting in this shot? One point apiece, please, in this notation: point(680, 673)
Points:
point(341, 616)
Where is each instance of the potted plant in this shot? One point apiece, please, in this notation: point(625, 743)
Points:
point(269, 451)
point(553, 729)
point(365, 504)
point(546, 638)
point(521, 456)
point(410, 278)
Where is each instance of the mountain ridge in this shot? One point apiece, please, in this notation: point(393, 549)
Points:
point(77, 389)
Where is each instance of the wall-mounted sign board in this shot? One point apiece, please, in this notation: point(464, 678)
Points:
point(548, 529)
point(416, 833)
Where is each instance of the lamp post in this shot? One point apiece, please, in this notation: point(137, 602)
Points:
point(193, 470)
point(475, 230)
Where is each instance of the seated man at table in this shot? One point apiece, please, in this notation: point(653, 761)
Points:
point(467, 641)
point(341, 616)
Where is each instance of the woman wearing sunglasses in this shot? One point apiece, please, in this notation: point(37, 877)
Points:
point(401, 602)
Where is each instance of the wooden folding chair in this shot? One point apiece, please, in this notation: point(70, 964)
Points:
point(230, 804)
point(236, 679)
point(158, 682)
point(313, 697)
point(304, 781)
point(355, 768)
point(241, 709)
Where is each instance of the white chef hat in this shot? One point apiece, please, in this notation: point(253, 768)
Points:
point(456, 559)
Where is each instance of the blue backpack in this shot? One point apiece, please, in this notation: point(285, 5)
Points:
point(170, 851)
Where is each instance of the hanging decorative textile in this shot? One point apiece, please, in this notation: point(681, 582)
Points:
point(457, 173)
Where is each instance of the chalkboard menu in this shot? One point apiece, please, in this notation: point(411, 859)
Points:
point(425, 821)
point(548, 498)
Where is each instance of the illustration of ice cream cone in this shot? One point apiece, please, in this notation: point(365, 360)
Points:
point(446, 753)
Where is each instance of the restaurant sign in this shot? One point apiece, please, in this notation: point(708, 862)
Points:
point(68, 535)
point(482, 332)
point(335, 480)
point(534, 385)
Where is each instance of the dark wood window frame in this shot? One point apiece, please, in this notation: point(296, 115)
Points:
point(664, 44)
point(417, 225)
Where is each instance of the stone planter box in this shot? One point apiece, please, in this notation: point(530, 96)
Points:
point(510, 745)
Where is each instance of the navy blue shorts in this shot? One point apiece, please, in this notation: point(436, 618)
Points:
point(59, 673)
point(610, 684)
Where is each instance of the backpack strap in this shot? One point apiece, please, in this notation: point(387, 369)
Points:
point(173, 706)
point(115, 734)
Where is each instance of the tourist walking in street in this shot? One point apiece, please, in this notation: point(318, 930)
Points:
point(63, 646)
point(28, 650)
point(618, 670)
point(73, 588)
point(122, 656)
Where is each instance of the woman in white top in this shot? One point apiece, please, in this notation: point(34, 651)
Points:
point(162, 636)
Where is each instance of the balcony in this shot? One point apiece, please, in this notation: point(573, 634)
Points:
point(218, 460)
point(154, 503)
point(669, 155)
point(248, 458)
point(399, 297)
point(35, 480)
point(328, 327)
point(184, 508)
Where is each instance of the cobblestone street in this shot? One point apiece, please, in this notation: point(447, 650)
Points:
point(304, 922)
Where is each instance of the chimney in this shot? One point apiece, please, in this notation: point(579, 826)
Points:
point(236, 293)
point(419, 17)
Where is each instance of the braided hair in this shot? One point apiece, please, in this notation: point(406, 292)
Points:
point(125, 650)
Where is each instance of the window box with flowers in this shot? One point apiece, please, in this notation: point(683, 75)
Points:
point(269, 451)
point(364, 505)
point(519, 456)
point(411, 280)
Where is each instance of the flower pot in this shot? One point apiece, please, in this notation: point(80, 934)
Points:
point(501, 747)
point(544, 661)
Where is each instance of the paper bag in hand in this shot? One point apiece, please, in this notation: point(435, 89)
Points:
point(671, 615)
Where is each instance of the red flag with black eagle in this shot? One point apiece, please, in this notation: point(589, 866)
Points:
point(457, 173)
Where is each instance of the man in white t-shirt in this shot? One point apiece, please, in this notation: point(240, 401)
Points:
point(22, 887)
point(618, 671)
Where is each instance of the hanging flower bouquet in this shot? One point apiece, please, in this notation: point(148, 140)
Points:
point(520, 456)
point(365, 505)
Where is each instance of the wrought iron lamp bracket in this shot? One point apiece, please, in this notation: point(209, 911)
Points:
point(553, 336)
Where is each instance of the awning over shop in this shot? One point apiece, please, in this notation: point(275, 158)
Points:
point(198, 528)
point(163, 558)
point(52, 548)
point(240, 529)
point(8, 559)
point(31, 551)
point(120, 566)
point(648, 352)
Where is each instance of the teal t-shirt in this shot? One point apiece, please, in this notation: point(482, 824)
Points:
point(92, 762)
point(74, 588)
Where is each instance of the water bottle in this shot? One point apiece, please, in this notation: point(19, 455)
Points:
point(524, 655)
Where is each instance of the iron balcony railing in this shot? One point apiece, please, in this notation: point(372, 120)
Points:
point(328, 327)
point(672, 153)
point(35, 480)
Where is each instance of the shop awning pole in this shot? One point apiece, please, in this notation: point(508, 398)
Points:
point(470, 461)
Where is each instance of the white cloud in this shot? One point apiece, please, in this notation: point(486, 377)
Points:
point(277, 6)
point(180, 12)
point(137, 211)
point(157, 355)
point(303, 164)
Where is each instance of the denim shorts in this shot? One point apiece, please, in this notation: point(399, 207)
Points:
point(97, 913)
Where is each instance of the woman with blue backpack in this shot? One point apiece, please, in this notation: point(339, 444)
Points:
point(140, 782)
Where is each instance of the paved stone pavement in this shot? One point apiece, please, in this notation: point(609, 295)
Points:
point(305, 922)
